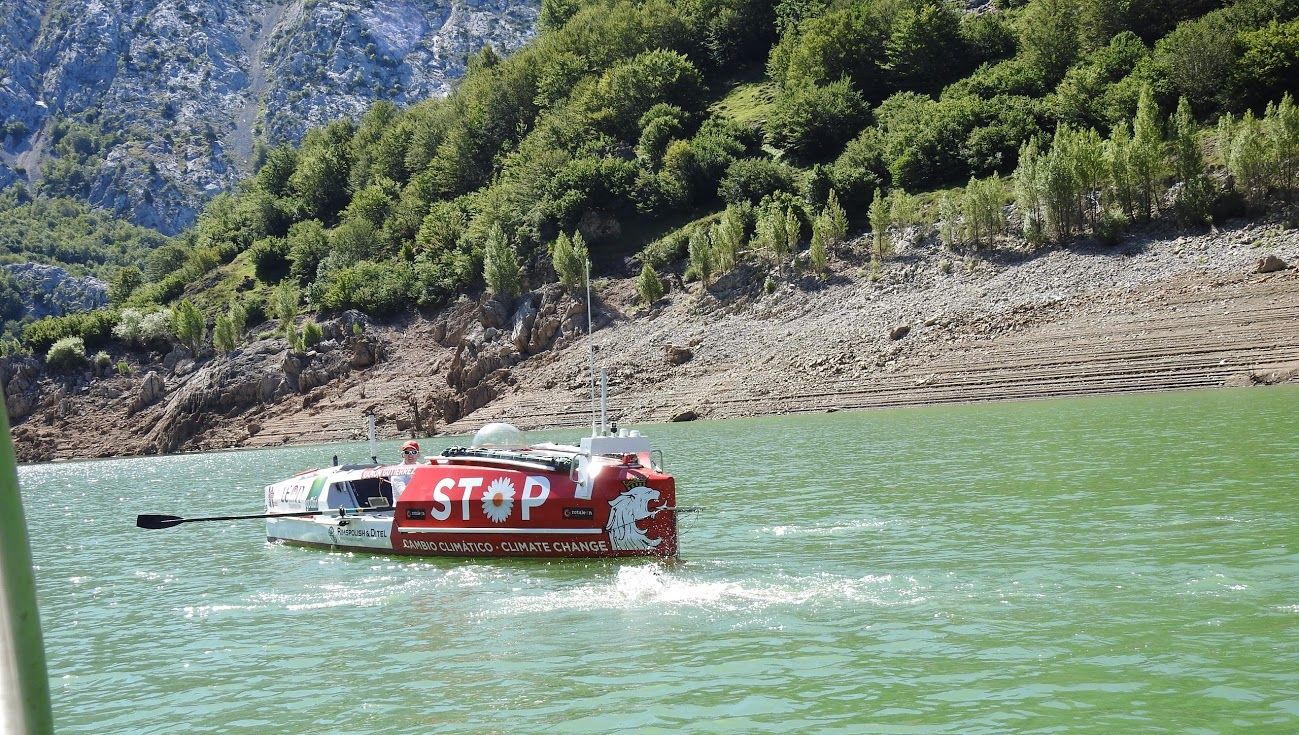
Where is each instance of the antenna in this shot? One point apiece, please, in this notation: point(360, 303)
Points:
point(590, 335)
point(369, 431)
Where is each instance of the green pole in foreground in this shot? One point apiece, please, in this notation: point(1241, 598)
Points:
point(24, 682)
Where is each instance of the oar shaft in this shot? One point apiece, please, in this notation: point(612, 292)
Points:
point(153, 522)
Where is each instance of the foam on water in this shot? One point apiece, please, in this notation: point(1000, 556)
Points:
point(650, 586)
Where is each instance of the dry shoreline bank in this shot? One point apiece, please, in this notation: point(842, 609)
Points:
point(1161, 311)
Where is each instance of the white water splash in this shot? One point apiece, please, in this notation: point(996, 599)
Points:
point(652, 586)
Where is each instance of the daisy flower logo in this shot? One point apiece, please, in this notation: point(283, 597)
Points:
point(498, 501)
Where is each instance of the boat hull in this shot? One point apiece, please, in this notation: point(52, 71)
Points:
point(474, 510)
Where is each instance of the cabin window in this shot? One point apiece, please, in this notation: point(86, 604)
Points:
point(358, 494)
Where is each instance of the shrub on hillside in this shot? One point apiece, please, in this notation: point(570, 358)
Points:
point(67, 353)
point(752, 179)
point(378, 289)
point(813, 121)
point(270, 257)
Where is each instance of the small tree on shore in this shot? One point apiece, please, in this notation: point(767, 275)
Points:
point(648, 285)
point(569, 256)
point(1195, 199)
point(701, 255)
point(835, 226)
point(223, 334)
point(284, 304)
point(501, 269)
point(881, 219)
point(187, 321)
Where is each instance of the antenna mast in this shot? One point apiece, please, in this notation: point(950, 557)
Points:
point(590, 336)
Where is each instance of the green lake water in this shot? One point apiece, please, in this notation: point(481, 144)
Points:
point(1106, 565)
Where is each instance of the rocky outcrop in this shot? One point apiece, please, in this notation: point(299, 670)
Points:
point(21, 379)
point(262, 372)
point(500, 340)
point(183, 90)
point(50, 290)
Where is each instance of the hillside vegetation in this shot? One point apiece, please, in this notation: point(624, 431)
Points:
point(699, 134)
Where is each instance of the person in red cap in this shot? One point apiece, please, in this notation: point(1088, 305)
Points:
point(410, 452)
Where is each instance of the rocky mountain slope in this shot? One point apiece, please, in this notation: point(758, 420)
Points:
point(1161, 312)
point(149, 108)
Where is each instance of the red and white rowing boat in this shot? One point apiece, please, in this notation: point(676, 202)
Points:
point(605, 497)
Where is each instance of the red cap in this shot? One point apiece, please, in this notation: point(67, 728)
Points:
point(410, 445)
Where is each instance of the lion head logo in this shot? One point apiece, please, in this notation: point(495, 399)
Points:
point(624, 511)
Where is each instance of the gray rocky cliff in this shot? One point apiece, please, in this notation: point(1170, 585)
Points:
point(150, 108)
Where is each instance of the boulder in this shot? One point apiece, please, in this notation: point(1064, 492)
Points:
point(687, 415)
point(899, 331)
point(151, 390)
point(677, 355)
point(362, 354)
point(1271, 264)
point(521, 325)
point(171, 359)
point(493, 313)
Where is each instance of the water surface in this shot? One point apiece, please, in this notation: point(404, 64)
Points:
point(1104, 565)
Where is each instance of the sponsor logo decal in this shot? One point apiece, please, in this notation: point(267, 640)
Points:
point(579, 514)
point(415, 514)
point(624, 513)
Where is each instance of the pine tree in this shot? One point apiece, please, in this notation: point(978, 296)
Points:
point(1283, 132)
point(836, 225)
point(880, 220)
point(188, 324)
point(569, 258)
point(1195, 198)
point(728, 238)
point(648, 285)
point(793, 231)
point(1247, 158)
point(501, 269)
point(1028, 193)
point(817, 250)
point(223, 334)
point(284, 304)
point(701, 255)
point(1147, 153)
point(1123, 186)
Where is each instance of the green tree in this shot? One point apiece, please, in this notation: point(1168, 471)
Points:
point(836, 220)
point(569, 257)
point(501, 269)
point(1048, 35)
point(926, 37)
point(284, 304)
point(188, 324)
point(728, 238)
point(700, 253)
point(1029, 198)
point(1195, 197)
point(1248, 159)
point(648, 285)
point(983, 210)
point(1124, 188)
point(880, 222)
point(1147, 153)
point(817, 251)
point(223, 334)
point(124, 283)
point(813, 120)
point(1282, 122)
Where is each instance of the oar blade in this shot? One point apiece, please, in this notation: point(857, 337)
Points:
point(146, 520)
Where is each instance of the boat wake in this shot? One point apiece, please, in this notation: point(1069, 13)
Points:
point(827, 530)
point(646, 586)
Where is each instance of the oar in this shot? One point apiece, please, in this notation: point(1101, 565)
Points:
point(153, 521)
